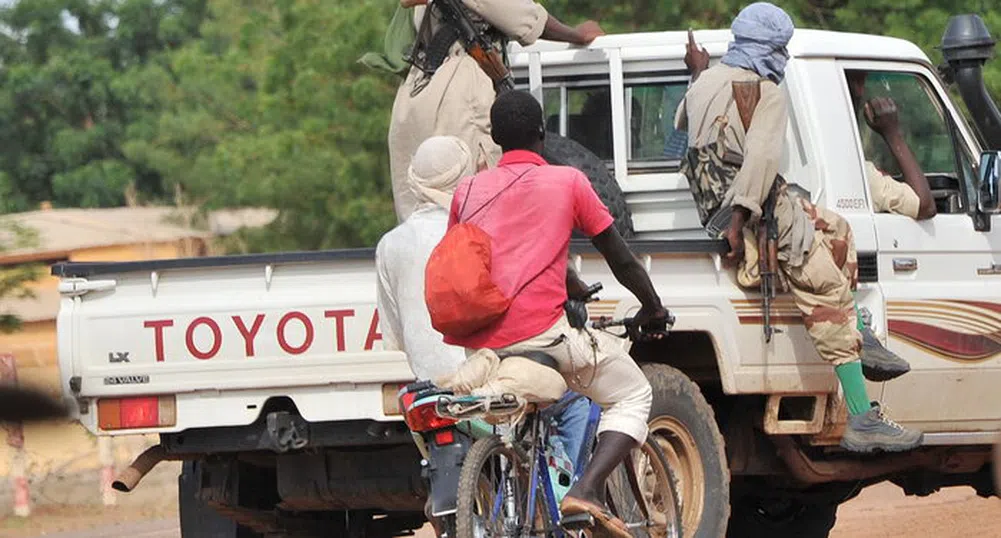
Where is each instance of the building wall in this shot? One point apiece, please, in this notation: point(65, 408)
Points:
point(57, 450)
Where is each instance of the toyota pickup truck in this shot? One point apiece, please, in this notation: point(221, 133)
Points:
point(266, 374)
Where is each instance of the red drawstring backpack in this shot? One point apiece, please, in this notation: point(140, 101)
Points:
point(459, 290)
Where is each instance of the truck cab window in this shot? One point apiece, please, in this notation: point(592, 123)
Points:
point(928, 131)
point(587, 114)
point(654, 137)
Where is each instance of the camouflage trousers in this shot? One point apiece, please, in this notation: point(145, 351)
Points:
point(823, 286)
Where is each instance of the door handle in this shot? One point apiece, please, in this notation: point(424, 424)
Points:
point(902, 265)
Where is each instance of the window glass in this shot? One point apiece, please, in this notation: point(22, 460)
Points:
point(588, 117)
point(922, 121)
point(652, 122)
point(926, 127)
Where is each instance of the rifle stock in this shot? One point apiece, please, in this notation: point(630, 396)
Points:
point(746, 95)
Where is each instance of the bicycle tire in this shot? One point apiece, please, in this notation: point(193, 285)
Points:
point(668, 509)
point(469, 481)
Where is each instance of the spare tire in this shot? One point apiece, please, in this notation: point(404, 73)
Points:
point(562, 151)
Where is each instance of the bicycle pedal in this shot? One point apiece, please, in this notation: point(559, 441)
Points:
point(577, 522)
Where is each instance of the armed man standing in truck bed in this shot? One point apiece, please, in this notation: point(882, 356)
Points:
point(733, 163)
point(446, 92)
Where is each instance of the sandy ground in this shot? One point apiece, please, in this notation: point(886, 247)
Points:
point(879, 512)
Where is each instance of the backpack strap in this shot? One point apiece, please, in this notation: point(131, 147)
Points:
point(492, 198)
point(490, 201)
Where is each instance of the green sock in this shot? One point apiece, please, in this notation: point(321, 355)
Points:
point(850, 375)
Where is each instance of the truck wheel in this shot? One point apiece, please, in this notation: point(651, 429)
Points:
point(684, 426)
point(784, 517)
point(563, 151)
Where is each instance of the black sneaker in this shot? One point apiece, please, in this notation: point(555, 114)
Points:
point(878, 363)
point(873, 431)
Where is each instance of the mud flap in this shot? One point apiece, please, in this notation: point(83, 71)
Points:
point(442, 472)
point(198, 520)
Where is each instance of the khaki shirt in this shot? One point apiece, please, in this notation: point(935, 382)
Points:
point(711, 96)
point(521, 20)
point(457, 99)
point(889, 195)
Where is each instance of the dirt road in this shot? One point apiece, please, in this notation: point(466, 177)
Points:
point(884, 512)
point(879, 512)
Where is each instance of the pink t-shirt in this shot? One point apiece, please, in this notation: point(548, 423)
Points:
point(529, 225)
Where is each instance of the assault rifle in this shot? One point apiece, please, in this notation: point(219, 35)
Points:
point(477, 44)
point(746, 96)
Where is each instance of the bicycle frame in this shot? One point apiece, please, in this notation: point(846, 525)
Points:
point(540, 479)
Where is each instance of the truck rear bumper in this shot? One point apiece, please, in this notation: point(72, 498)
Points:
point(282, 431)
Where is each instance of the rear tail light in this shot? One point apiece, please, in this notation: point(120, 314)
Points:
point(422, 417)
point(135, 413)
point(444, 437)
point(390, 400)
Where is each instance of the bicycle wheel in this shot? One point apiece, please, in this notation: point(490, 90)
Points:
point(493, 500)
point(646, 473)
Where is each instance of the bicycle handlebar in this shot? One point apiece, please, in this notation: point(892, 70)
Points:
point(634, 331)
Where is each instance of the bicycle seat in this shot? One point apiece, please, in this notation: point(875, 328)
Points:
point(539, 357)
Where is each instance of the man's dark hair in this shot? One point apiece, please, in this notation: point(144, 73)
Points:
point(516, 121)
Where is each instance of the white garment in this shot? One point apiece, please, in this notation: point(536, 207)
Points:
point(400, 259)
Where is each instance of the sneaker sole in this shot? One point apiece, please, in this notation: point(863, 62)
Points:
point(882, 447)
point(880, 375)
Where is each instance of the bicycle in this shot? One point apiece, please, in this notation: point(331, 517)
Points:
point(511, 484)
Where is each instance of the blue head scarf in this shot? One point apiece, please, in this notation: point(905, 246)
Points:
point(761, 32)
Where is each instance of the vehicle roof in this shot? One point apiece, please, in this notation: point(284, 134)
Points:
point(805, 43)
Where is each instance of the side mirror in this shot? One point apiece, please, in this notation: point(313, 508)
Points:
point(989, 190)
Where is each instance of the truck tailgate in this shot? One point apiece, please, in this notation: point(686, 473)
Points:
point(132, 330)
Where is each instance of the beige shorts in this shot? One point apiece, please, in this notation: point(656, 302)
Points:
point(598, 366)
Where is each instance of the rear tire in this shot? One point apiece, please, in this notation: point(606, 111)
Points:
point(684, 426)
point(562, 151)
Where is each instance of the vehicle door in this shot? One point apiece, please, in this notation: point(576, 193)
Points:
point(939, 277)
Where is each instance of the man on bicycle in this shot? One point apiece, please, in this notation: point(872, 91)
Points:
point(530, 222)
point(400, 258)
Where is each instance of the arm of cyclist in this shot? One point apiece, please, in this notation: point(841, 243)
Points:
point(631, 274)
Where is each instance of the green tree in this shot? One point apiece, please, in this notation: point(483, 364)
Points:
point(68, 96)
point(919, 21)
point(14, 279)
point(271, 108)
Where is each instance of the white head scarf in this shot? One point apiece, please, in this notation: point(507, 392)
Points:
point(438, 165)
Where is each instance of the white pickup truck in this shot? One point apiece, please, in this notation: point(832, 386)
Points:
point(266, 373)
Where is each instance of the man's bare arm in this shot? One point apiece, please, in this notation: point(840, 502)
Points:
point(696, 58)
point(630, 273)
point(881, 115)
point(582, 34)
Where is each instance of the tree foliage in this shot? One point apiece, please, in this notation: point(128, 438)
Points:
point(14, 279)
point(263, 103)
